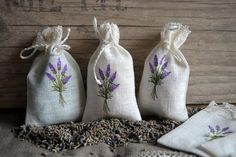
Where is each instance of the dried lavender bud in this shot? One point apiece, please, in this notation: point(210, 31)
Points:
point(114, 132)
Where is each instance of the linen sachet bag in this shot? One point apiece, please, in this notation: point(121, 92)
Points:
point(55, 91)
point(202, 131)
point(110, 78)
point(165, 76)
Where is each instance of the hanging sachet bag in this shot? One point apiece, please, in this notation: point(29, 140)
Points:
point(110, 79)
point(165, 76)
point(55, 90)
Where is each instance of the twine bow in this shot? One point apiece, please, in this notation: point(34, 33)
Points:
point(49, 39)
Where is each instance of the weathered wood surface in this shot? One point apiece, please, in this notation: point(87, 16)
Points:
point(210, 49)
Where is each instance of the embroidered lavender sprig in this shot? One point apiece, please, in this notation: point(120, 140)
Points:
point(107, 87)
point(217, 132)
point(159, 72)
point(59, 79)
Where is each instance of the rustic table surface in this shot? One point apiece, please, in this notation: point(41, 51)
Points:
point(210, 49)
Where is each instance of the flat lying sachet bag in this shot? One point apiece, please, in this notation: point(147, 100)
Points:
point(221, 147)
point(207, 133)
point(110, 79)
point(165, 76)
point(55, 90)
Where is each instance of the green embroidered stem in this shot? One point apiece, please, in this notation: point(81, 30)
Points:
point(105, 106)
point(61, 99)
point(158, 72)
point(107, 86)
point(154, 92)
point(105, 92)
point(156, 81)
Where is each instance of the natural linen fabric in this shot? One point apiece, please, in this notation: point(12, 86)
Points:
point(165, 76)
point(110, 78)
point(222, 147)
point(203, 130)
point(55, 90)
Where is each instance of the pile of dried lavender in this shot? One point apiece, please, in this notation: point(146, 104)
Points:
point(114, 132)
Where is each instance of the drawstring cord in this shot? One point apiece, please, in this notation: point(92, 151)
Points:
point(45, 45)
point(108, 44)
point(170, 42)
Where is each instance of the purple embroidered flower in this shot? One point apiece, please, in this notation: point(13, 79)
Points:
point(58, 64)
point(52, 68)
point(66, 79)
point(212, 130)
point(107, 87)
point(151, 68)
point(217, 128)
point(162, 59)
point(63, 72)
point(101, 74)
point(59, 79)
point(108, 70)
point(164, 65)
point(225, 129)
point(217, 132)
point(165, 74)
point(50, 76)
point(159, 72)
point(114, 86)
point(155, 60)
point(113, 77)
